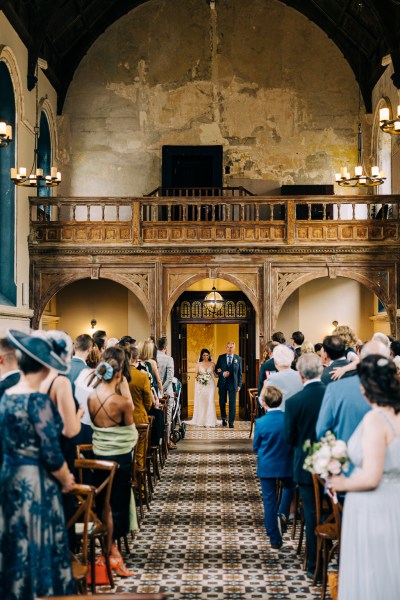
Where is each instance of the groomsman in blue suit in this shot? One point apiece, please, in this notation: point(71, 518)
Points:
point(275, 462)
point(229, 372)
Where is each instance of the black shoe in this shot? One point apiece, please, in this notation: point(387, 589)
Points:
point(277, 546)
point(224, 423)
point(231, 425)
point(282, 522)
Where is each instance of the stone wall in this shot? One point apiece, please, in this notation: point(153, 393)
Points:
point(256, 77)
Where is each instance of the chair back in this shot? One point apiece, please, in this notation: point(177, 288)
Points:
point(142, 444)
point(84, 495)
point(329, 502)
point(83, 449)
point(106, 466)
point(253, 394)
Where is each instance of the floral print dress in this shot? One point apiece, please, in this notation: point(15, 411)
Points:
point(34, 554)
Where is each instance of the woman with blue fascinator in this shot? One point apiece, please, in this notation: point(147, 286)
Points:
point(34, 555)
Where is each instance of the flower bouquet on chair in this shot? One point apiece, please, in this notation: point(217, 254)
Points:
point(326, 457)
point(204, 378)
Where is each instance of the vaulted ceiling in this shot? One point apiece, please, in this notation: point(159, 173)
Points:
point(62, 31)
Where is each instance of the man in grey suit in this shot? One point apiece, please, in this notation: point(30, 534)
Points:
point(165, 365)
point(82, 347)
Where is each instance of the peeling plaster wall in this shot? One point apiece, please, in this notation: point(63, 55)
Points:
point(256, 77)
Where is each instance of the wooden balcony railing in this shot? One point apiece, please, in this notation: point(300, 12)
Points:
point(242, 221)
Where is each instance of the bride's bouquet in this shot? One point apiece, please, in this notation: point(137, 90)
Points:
point(326, 457)
point(204, 378)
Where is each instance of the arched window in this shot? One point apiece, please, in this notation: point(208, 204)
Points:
point(44, 152)
point(8, 289)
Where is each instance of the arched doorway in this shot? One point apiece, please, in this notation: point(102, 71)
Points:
point(194, 328)
point(113, 306)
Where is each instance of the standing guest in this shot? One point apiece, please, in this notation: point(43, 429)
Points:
point(146, 353)
point(59, 388)
point(350, 341)
point(112, 342)
point(301, 414)
point(140, 390)
point(126, 342)
point(275, 462)
point(286, 379)
point(268, 366)
point(82, 347)
point(114, 437)
point(228, 369)
point(332, 356)
point(344, 406)
point(298, 339)
point(307, 348)
point(318, 348)
point(370, 541)
point(34, 555)
point(100, 339)
point(9, 372)
point(166, 369)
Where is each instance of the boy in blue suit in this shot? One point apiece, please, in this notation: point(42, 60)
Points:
point(275, 462)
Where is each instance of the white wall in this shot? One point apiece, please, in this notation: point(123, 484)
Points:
point(324, 300)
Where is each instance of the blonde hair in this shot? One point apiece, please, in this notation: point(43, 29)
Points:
point(347, 335)
point(307, 347)
point(146, 349)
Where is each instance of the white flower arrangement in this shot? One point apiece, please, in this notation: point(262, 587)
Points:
point(204, 378)
point(326, 457)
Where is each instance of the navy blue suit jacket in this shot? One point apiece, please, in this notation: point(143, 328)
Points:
point(275, 456)
point(235, 378)
point(268, 365)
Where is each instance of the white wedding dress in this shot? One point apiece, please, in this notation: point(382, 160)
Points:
point(204, 414)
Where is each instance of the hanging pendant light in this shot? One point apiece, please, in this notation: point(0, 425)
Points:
point(5, 134)
point(36, 177)
point(213, 301)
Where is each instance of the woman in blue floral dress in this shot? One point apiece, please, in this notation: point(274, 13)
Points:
point(34, 554)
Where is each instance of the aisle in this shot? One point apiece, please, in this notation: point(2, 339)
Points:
point(204, 536)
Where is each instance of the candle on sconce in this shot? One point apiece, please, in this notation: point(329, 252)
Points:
point(375, 171)
point(9, 132)
point(384, 114)
point(22, 172)
point(358, 171)
point(3, 128)
point(53, 172)
point(13, 173)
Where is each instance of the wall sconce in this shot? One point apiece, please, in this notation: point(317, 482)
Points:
point(93, 323)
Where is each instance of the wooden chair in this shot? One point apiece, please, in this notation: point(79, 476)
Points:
point(327, 532)
point(84, 495)
point(84, 451)
point(98, 528)
point(152, 460)
point(140, 473)
point(253, 405)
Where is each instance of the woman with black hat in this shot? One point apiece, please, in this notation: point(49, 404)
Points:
point(34, 554)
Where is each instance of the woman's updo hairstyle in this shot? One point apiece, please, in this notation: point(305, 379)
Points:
point(112, 361)
point(378, 376)
point(202, 352)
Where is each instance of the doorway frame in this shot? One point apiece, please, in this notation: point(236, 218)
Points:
point(247, 345)
point(170, 152)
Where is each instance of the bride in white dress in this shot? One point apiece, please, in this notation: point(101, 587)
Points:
point(204, 414)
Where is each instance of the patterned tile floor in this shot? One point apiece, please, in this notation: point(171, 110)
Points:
point(204, 537)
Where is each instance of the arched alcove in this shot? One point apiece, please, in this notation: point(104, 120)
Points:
point(313, 307)
point(116, 309)
point(382, 147)
point(44, 152)
point(8, 289)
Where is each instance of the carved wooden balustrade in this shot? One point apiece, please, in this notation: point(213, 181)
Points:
point(199, 221)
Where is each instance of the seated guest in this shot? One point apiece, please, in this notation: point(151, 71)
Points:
point(286, 379)
point(332, 356)
point(318, 348)
point(307, 348)
point(301, 414)
point(34, 556)
point(344, 406)
point(114, 437)
point(274, 461)
point(82, 347)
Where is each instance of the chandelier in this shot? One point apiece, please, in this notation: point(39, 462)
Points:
point(5, 134)
point(36, 177)
point(213, 302)
point(387, 124)
point(361, 178)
